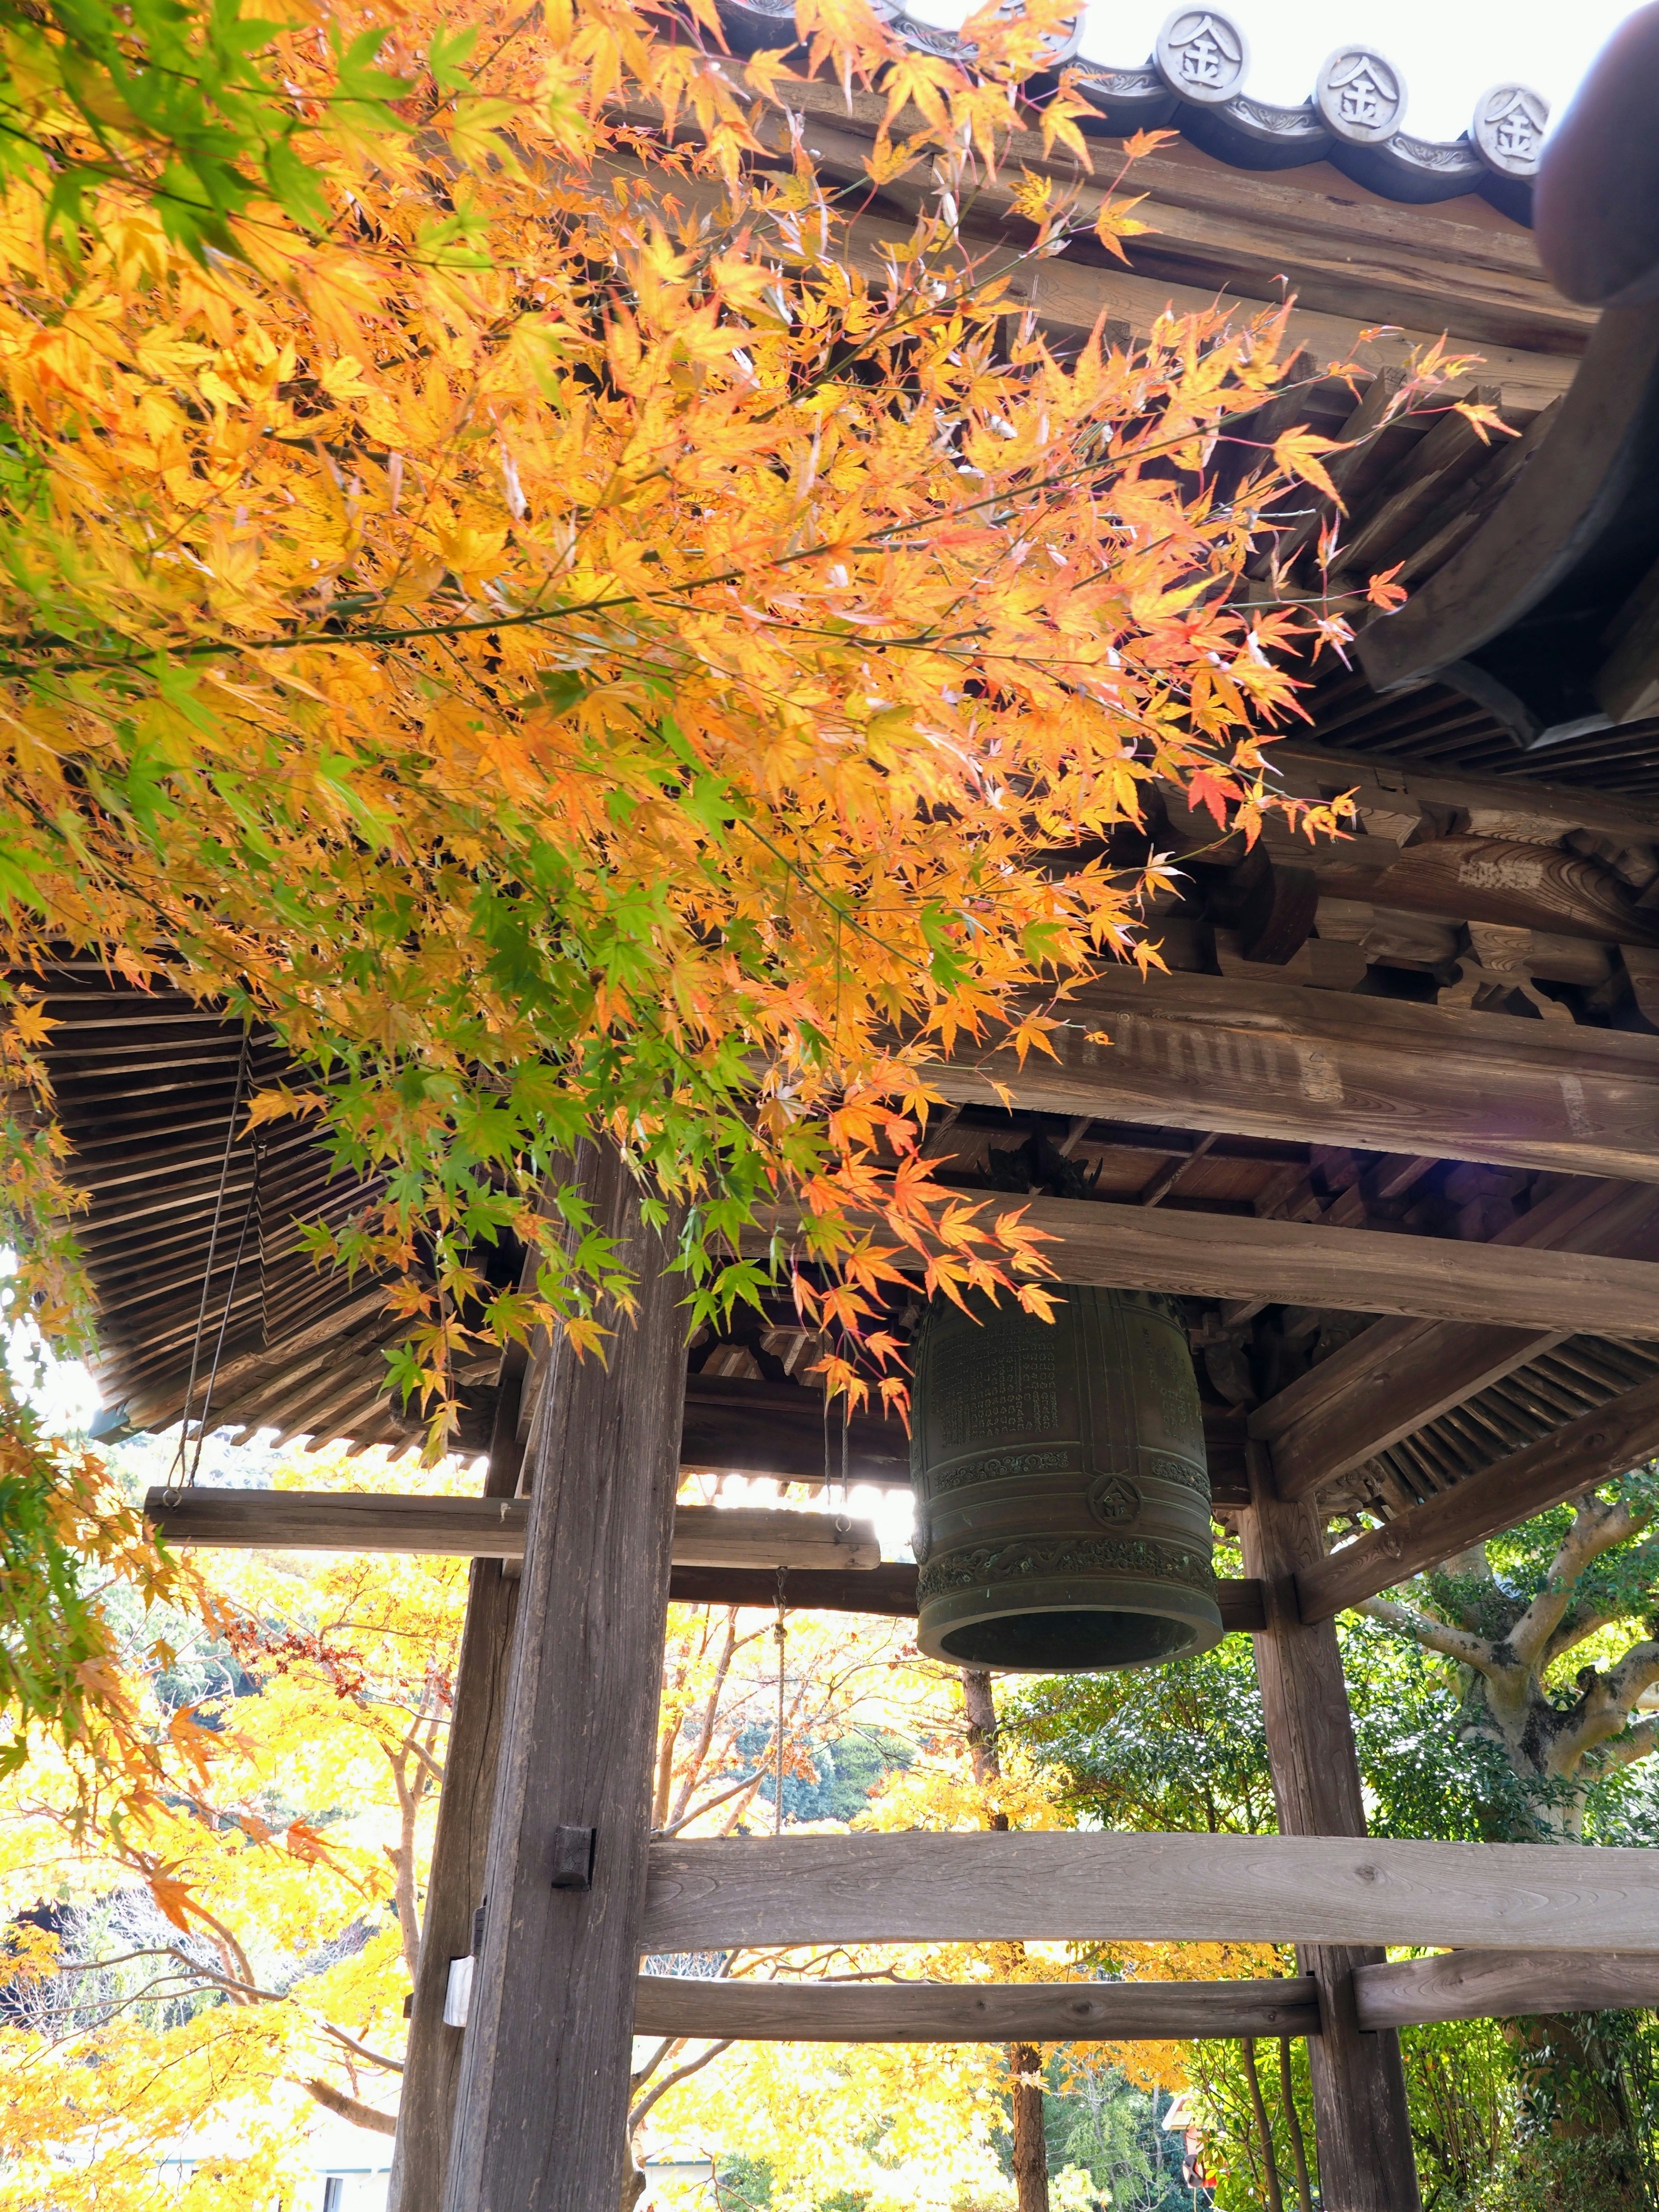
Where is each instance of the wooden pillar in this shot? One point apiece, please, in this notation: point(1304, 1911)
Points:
point(432, 2062)
point(1360, 2121)
point(543, 2102)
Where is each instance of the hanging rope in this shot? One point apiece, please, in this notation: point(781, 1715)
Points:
point(249, 1215)
point(207, 1272)
point(780, 1629)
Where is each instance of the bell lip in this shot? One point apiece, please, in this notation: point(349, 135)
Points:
point(1168, 1601)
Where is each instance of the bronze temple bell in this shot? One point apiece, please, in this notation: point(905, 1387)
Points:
point(1062, 1496)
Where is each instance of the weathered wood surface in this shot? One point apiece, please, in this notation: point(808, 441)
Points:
point(1504, 1985)
point(1348, 251)
point(488, 1527)
point(1552, 519)
point(1397, 1375)
point(778, 1429)
point(1022, 2012)
point(432, 2065)
point(1591, 1449)
point(890, 1588)
point(986, 1887)
point(1360, 2117)
point(1314, 771)
point(1229, 1255)
point(1264, 1060)
point(555, 1978)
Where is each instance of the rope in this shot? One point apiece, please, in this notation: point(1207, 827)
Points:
point(224, 1319)
point(780, 1629)
point(207, 1273)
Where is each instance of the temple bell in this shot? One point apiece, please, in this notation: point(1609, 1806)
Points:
point(1062, 1494)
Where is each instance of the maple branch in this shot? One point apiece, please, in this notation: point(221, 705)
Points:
point(350, 2108)
point(672, 2081)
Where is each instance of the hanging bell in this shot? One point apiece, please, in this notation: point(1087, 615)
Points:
point(1062, 1496)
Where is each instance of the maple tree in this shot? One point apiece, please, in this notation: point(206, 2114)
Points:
point(503, 581)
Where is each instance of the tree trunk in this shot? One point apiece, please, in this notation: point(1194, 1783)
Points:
point(1024, 2060)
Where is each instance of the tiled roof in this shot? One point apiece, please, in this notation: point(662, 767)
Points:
point(1196, 81)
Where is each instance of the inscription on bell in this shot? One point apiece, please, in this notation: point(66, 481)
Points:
point(994, 1385)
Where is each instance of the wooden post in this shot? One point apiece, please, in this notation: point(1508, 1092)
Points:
point(431, 2063)
point(541, 2109)
point(1360, 2120)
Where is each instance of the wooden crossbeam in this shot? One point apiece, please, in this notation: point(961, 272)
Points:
point(1021, 2012)
point(891, 1590)
point(488, 1527)
point(993, 1887)
point(1504, 1985)
point(1228, 1255)
point(1264, 1060)
point(1574, 1457)
point(723, 1555)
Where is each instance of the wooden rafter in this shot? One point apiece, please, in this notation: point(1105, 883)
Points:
point(1574, 1457)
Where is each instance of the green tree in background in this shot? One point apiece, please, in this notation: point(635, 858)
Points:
point(1502, 1697)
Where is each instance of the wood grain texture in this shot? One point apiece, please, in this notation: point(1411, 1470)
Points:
point(973, 2012)
point(487, 1527)
point(1495, 879)
point(1504, 1985)
point(1360, 2116)
point(1548, 521)
point(890, 1588)
point(1260, 1060)
point(1306, 1263)
point(1591, 1449)
point(923, 1888)
point(432, 2064)
point(1316, 771)
point(1397, 1375)
point(544, 2090)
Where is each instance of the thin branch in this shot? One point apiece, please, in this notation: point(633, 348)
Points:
point(670, 2081)
point(1435, 1635)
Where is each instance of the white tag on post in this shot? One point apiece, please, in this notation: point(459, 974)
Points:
point(458, 1996)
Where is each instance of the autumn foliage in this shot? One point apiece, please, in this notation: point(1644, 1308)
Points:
point(559, 622)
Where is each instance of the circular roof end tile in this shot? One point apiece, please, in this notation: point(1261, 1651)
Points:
point(1361, 97)
point(1508, 130)
point(1202, 55)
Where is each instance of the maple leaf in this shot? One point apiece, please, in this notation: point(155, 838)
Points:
point(1296, 453)
point(1382, 591)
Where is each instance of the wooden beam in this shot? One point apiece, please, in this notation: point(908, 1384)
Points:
point(890, 1590)
point(1504, 1985)
point(1574, 1457)
point(1234, 1256)
point(824, 1571)
point(1552, 520)
point(1067, 1886)
point(1360, 2118)
point(488, 1528)
point(1316, 771)
point(1398, 1375)
point(1260, 1059)
point(565, 1872)
point(972, 2012)
point(778, 1429)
